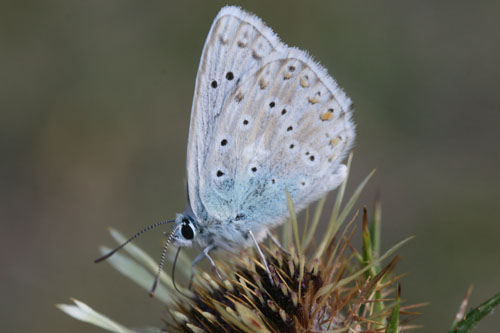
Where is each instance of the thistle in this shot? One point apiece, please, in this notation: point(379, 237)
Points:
point(323, 285)
point(316, 284)
point(329, 292)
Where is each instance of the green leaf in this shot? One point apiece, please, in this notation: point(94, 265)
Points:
point(393, 322)
point(341, 191)
point(366, 246)
point(143, 277)
point(354, 197)
point(310, 231)
point(475, 315)
point(83, 312)
point(293, 221)
point(336, 221)
point(375, 227)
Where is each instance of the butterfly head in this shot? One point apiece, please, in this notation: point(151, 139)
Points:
point(186, 230)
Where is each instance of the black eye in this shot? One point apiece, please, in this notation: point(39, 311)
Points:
point(187, 231)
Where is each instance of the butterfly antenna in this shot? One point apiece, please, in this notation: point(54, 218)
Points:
point(162, 261)
point(106, 256)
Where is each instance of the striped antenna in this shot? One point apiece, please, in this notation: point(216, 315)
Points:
point(162, 260)
point(106, 256)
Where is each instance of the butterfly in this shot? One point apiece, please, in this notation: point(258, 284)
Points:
point(266, 119)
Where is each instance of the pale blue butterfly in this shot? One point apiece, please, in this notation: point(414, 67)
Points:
point(266, 119)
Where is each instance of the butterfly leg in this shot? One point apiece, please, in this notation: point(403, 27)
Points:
point(195, 261)
point(261, 254)
point(277, 243)
point(212, 262)
point(199, 258)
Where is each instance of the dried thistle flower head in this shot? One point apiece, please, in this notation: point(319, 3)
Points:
point(311, 290)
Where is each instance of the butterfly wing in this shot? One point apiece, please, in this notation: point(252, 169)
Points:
point(236, 44)
point(281, 124)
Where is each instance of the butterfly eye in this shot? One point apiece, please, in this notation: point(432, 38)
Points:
point(186, 231)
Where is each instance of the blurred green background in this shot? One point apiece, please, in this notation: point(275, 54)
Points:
point(95, 99)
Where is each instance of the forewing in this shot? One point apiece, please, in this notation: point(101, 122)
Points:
point(236, 45)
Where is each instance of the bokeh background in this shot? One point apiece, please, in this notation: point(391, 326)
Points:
point(95, 99)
